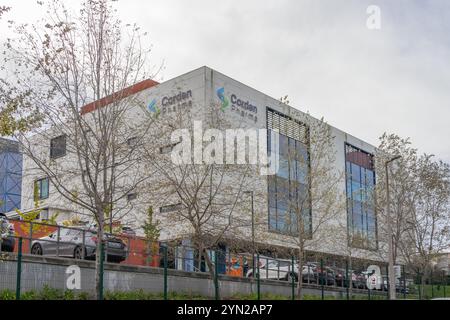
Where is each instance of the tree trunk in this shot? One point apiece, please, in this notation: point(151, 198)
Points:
point(350, 276)
point(300, 273)
point(98, 258)
point(212, 271)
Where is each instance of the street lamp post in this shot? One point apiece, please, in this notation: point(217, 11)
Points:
point(391, 272)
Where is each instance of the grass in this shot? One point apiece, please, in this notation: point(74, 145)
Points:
point(48, 293)
point(435, 291)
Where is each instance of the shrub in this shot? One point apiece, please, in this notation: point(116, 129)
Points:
point(7, 295)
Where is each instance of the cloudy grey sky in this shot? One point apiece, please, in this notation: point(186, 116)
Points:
point(319, 52)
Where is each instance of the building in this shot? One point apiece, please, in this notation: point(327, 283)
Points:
point(10, 175)
point(246, 108)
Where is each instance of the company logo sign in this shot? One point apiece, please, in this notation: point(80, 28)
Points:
point(178, 98)
point(169, 104)
point(241, 107)
point(246, 105)
point(223, 99)
point(152, 107)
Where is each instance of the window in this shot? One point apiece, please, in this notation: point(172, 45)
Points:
point(43, 215)
point(58, 147)
point(41, 189)
point(170, 208)
point(131, 196)
point(288, 190)
point(360, 181)
point(166, 149)
point(132, 142)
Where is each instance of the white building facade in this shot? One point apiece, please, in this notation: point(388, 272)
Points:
point(245, 107)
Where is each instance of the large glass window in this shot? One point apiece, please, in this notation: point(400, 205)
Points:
point(360, 180)
point(289, 189)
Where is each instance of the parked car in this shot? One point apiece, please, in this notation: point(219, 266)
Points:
point(326, 276)
point(359, 280)
point(309, 273)
point(276, 269)
point(127, 231)
point(7, 234)
point(70, 244)
point(401, 287)
point(341, 277)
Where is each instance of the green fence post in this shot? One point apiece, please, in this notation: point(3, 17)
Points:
point(165, 271)
point(19, 269)
point(432, 286)
point(102, 259)
point(322, 279)
point(347, 281)
point(387, 283)
point(216, 277)
point(420, 286)
point(293, 279)
point(258, 278)
point(253, 265)
point(444, 282)
point(404, 283)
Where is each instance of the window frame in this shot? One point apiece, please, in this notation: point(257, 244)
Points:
point(38, 183)
point(132, 196)
point(171, 208)
point(53, 148)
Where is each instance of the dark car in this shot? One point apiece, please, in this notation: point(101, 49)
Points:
point(7, 234)
point(326, 276)
point(402, 286)
point(359, 280)
point(70, 244)
point(341, 276)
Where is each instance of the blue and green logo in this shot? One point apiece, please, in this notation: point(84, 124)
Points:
point(152, 107)
point(223, 99)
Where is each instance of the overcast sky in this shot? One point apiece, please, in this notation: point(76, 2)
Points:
point(319, 52)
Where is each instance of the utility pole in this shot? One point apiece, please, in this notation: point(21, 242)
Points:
point(391, 272)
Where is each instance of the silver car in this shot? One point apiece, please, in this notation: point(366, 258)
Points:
point(70, 244)
point(277, 269)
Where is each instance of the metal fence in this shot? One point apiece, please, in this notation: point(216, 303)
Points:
point(321, 274)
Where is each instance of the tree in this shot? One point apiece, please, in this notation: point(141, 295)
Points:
point(419, 198)
point(428, 227)
point(204, 196)
point(402, 187)
point(313, 199)
point(327, 199)
point(16, 113)
point(77, 68)
point(34, 216)
point(152, 232)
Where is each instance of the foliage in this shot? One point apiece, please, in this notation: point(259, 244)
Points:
point(34, 216)
point(60, 64)
point(151, 228)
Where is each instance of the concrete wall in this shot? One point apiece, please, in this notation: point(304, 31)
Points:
point(38, 272)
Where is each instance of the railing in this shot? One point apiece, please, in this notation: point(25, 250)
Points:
point(80, 243)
